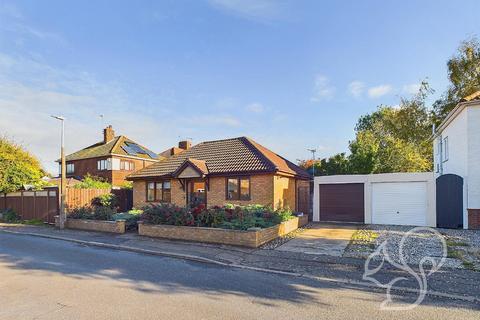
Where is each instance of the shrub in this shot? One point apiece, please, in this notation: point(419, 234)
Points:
point(9, 216)
point(131, 218)
point(92, 182)
point(166, 213)
point(92, 213)
point(229, 217)
point(106, 200)
point(80, 213)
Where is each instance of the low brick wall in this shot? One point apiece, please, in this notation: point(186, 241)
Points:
point(94, 225)
point(249, 238)
point(474, 219)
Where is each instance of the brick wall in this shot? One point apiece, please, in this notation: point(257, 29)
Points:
point(474, 218)
point(115, 177)
point(118, 176)
point(140, 193)
point(261, 191)
point(284, 192)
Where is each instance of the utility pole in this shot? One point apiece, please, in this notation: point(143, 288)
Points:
point(313, 157)
point(63, 180)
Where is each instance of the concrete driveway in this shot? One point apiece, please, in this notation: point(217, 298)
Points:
point(328, 239)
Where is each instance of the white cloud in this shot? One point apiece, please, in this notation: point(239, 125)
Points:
point(30, 92)
point(356, 88)
point(322, 89)
point(379, 91)
point(255, 107)
point(258, 10)
point(411, 88)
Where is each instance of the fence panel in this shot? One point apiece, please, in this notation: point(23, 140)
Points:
point(41, 205)
point(82, 197)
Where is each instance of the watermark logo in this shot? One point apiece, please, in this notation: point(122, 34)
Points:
point(427, 266)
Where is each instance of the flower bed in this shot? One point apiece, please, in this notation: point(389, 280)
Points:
point(249, 226)
point(99, 217)
point(247, 238)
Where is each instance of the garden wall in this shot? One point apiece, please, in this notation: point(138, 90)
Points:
point(93, 225)
point(249, 238)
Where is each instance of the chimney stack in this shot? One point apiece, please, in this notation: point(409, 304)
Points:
point(108, 134)
point(185, 145)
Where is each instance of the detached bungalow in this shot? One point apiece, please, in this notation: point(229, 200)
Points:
point(238, 171)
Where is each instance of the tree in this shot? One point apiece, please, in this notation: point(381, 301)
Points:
point(18, 167)
point(464, 76)
point(337, 164)
point(394, 139)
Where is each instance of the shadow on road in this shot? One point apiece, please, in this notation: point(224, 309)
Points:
point(151, 274)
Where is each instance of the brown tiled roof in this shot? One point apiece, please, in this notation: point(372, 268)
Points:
point(101, 149)
point(473, 96)
point(198, 165)
point(229, 156)
point(170, 152)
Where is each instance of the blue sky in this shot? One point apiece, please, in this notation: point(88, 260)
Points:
point(290, 74)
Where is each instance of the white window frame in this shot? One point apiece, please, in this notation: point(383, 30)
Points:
point(102, 165)
point(70, 168)
point(445, 149)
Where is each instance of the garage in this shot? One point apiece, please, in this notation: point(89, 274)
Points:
point(386, 198)
point(343, 202)
point(399, 203)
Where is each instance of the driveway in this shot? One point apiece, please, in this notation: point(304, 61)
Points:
point(321, 238)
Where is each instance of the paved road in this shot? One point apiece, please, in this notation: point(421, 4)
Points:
point(52, 279)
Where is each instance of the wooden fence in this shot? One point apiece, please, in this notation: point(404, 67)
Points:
point(44, 205)
point(75, 198)
point(41, 205)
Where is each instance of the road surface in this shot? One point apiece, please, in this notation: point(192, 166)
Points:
point(51, 279)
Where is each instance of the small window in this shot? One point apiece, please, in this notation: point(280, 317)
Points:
point(238, 189)
point(244, 189)
point(102, 165)
point(159, 191)
point(70, 168)
point(151, 191)
point(167, 192)
point(127, 165)
point(445, 149)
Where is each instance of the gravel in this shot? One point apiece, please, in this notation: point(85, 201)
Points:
point(419, 245)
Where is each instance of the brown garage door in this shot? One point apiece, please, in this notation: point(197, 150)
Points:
point(342, 202)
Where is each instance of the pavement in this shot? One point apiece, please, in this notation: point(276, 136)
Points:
point(46, 278)
point(326, 239)
point(452, 283)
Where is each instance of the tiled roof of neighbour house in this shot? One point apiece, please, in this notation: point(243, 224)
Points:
point(229, 156)
point(473, 96)
point(170, 152)
point(116, 146)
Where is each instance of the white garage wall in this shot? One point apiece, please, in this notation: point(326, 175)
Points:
point(427, 177)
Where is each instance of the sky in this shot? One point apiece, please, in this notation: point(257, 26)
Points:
point(292, 75)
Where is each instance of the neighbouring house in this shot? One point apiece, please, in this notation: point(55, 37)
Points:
point(237, 171)
point(112, 159)
point(457, 163)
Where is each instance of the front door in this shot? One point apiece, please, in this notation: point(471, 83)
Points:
point(196, 193)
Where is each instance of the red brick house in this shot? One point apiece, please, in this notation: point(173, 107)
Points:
point(113, 158)
point(238, 171)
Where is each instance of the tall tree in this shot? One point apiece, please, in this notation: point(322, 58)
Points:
point(394, 139)
point(17, 167)
point(464, 76)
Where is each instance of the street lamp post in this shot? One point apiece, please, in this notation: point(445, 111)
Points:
point(313, 164)
point(63, 179)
